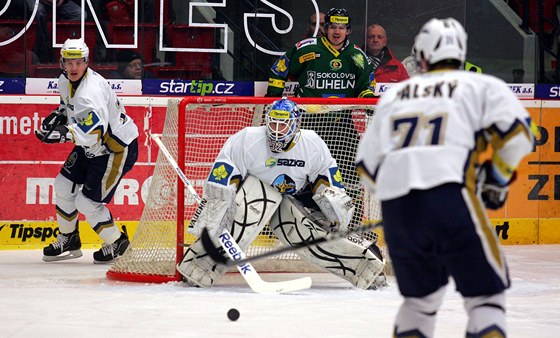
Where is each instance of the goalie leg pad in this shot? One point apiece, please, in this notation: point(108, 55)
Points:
point(255, 202)
point(349, 258)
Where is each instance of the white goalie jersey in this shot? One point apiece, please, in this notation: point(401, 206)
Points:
point(418, 140)
point(247, 152)
point(96, 117)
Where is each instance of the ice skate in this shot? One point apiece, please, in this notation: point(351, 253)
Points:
point(110, 252)
point(65, 243)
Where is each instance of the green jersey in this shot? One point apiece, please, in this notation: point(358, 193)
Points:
point(323, 71)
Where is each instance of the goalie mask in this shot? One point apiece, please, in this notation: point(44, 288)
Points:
point(441, 39)
point(282, 124)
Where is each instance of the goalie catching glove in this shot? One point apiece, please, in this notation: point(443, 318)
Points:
point(53, 129)
point(492, 192)
point(336, 205)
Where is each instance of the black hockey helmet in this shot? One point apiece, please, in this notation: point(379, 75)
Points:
point(338, 16)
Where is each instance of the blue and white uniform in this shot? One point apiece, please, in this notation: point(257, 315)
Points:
point(106, 148)
point(247, 152)
point(419, 156)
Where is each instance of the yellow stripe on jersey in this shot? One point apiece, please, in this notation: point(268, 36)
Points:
point(366, 93)
point(505, 170)
point(112, 143)
point(497, 140)
point(276, 83)
point(329, 46)
point(321, 180)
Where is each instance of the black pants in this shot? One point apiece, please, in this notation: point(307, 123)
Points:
point(441, 232)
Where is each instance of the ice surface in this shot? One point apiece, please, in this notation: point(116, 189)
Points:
point(74, 299)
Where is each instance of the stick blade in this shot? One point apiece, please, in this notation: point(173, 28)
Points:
point(211, 249)
point(283, 287)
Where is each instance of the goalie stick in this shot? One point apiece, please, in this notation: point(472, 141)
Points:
point(250, 274)
point(255, 282)
point(215, 254)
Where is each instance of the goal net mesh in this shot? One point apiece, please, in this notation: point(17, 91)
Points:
point(204, 127)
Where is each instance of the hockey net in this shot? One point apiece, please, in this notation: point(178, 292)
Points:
point(195, 130)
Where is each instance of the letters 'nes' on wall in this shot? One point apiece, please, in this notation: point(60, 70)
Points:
point(28, 167)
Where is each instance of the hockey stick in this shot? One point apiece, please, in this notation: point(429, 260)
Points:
point(230, 246)
point(171, 160)
point(213, 251)
point(250, 274)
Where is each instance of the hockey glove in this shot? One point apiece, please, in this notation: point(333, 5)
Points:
point(55, 118)
point(53, 128)
point(336, 205)
point(59, 134)
point(493, 193)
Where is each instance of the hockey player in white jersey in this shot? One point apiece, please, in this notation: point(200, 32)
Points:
point(105, 148)
point(255, 181)
point(420, 156)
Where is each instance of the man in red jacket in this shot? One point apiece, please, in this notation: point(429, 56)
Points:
point(387, 67)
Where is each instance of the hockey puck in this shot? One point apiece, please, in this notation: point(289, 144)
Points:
point(233, 315)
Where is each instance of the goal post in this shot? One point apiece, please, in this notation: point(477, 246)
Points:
point(194, 131)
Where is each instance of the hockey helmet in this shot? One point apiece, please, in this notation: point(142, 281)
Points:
point(441, 39)
point(282, 124)
point(337, 16)
point(74, 49)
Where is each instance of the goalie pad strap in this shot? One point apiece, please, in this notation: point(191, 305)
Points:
point(255, 203)
point(347, 258)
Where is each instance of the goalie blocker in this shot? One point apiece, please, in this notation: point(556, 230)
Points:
point(351, 258)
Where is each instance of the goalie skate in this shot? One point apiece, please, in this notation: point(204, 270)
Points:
point(65, 243)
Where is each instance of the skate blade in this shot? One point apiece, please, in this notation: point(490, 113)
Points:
point(106, 262)
point(70, 255)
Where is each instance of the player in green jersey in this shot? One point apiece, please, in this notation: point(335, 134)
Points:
point(330, 66)
point(327, 66)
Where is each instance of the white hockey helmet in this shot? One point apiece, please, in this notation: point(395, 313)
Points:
point(282, 124)
point(74, 49)
point(441, 39)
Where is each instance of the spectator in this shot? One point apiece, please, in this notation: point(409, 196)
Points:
point(313, 23)
point(131, 66)
point(518, 74)
point(67, 10)
point(14, 59)
point(387, 67)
